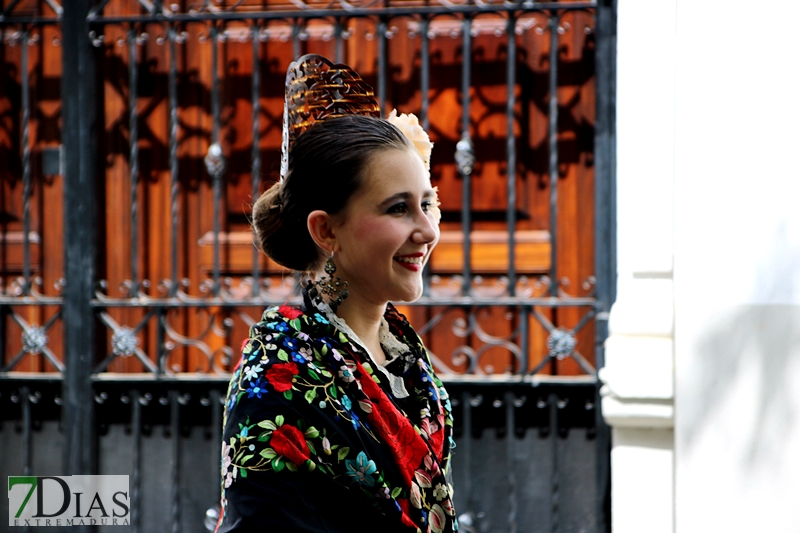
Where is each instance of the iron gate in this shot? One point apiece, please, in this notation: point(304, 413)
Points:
point(123, 384)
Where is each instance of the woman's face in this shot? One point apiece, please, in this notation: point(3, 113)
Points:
point(387, 230)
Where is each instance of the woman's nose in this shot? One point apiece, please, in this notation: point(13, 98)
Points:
point(426, 232)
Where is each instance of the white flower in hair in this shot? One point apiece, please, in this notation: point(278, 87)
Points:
point(408, 123)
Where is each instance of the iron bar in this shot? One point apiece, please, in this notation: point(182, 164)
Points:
point(216, 175)
point(133, 130)
point(511, 151)
point(256, 154)
point(552, 129)
point(27, 437)
point(424, 81)
point(354, 13)
point(524, 338)
point(216, 435)
point(136, 478)
point(511, 461)
point(382, 61)
point(555, 496)
point(465, 156)
point(161, 342)
point(295, 39)
point(175, 460)
point(421, 302)
point(26, 166)
point(466, 448)
point(339, 35)
point(172, 82)
point(605, 230)
point(80, 141)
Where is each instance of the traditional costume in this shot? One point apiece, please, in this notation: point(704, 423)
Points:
point(317, 436)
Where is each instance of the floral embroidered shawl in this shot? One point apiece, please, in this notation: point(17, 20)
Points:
point(314, 440)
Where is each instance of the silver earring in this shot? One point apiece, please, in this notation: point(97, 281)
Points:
point(334, 287)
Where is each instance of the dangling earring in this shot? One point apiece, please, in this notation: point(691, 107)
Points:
point(334, 287)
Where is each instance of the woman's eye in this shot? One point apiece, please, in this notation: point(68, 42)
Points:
point(426, 206)
point(398, 208)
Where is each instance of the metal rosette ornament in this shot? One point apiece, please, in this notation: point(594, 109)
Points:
point(316, 90)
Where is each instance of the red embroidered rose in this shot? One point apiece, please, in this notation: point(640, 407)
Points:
point(280, 376)
point(289, 312)
point(289, 442)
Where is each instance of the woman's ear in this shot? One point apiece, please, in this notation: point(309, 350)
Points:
point(320, 226)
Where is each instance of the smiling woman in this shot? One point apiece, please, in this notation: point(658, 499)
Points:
point(335, 420)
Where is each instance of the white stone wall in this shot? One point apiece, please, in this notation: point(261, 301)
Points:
point(737, 267)
point(708, 308)
point(638, 392)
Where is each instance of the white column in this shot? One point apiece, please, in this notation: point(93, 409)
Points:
point(638, 376)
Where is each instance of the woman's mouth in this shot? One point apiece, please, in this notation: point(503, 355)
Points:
point(412, 262)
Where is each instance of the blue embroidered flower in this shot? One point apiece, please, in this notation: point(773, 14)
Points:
point(244, 432)
point(361, 470)
point(346, 402)
point(291, 344)
point(319, 318)
point(256, 388)
point(354, 419)
point(283, 327)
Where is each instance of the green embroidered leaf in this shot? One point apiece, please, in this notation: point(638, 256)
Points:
point(279, 420)
point(324, 349)
point(396, 492)
point(310, 395)
point(311, 447)
point(314, 375)
point(268, 453)
point(287, 394)
point(311, 433)
point(295, 323)
point(301, 424)
point(282, 355)
point(290, 466)
point(342, 453)
point(267, 424)
point(239, 396)
point(278, 463)
point(247, 458)
point(311, 465)
point(242, 472)
point(264, 437)
point(325, 373)
point(342, 338)
point(333, 392)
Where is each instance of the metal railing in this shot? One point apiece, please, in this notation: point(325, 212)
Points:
point(98, 329)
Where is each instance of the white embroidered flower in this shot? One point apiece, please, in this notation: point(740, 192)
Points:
point(251, 372)
point(409, 125)
point(440, 492)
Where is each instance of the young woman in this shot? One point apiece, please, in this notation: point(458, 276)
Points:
point(335, 420)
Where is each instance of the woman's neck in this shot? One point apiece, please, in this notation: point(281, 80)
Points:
point(364, 318)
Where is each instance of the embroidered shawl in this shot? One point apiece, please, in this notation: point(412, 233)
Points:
point(314, 440)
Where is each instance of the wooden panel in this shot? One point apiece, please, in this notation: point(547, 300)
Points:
point(12, 252)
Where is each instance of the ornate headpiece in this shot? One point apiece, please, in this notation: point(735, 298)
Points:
point(317, 89)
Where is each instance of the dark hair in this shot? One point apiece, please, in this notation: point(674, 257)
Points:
point(326, 166)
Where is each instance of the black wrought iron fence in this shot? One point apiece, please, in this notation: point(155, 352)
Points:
point(132, 334)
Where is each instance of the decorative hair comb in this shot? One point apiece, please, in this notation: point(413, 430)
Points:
point(317, 89)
